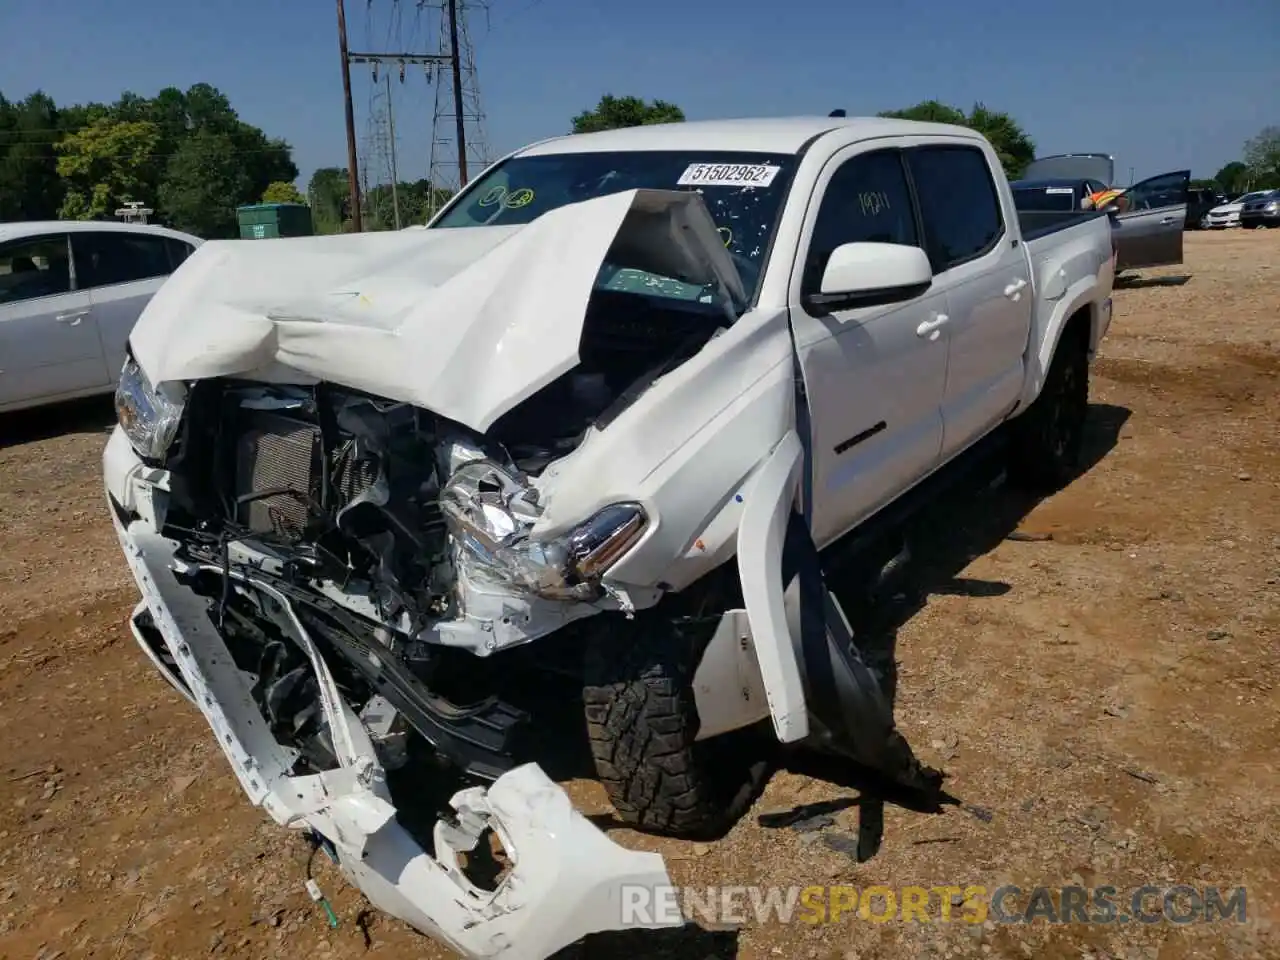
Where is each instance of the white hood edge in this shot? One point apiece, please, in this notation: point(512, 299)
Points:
point(465, 322)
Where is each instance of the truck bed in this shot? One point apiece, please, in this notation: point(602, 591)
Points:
point(1040, 223)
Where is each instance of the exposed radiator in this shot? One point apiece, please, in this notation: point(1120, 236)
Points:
point(277, 453)
point(281, 453)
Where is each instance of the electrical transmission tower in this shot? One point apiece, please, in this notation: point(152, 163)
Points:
point(459, 147)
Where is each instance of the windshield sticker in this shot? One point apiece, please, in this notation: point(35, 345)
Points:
point(495, 195)
point(1059, 190)
point(728, 175)
point(518, 198)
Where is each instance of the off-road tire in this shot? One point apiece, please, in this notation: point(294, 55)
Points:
point(642, 721)
point(1048, 438)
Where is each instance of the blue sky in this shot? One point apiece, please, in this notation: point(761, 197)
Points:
point(1161, 85)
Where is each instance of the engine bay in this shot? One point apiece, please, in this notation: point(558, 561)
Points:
point(401, 538)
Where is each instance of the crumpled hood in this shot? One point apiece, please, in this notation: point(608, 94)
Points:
point(466, 322)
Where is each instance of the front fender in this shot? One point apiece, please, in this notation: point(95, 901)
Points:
point(767, 508)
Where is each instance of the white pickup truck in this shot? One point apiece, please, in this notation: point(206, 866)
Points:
point(392, 499)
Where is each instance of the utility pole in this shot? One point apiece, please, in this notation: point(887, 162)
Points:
point(455, 61)
point(353, 177)
point(395, 177)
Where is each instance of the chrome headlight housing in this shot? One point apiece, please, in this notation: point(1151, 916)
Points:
point(489, 512)
point(149, 417)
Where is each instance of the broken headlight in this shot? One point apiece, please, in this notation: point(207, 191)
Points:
point(490, 512)
point(148, 417)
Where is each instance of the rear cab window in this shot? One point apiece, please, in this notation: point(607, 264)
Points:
point(34, 267)
point(959, 204)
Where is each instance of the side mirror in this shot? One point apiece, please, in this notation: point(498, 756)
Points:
point(870, 274)
point(1111, 208)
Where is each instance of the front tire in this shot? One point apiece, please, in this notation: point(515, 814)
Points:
point(1049, 436)
point(642, 723)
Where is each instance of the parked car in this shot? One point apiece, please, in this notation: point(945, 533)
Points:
point(70, 292)
point(1261, 211)
point(1200, 200)
point(393, 500)
point(1228, 214)
point(1151, 215)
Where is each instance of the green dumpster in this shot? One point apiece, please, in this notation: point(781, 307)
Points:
point(259, 221)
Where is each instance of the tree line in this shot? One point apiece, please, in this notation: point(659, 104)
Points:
point(185, 154)
point(1258, 168)
point(189, 156)
point(1013, 145)
point(329, 194)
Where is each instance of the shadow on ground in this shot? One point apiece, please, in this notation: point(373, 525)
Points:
point(689, 942)
point(95, 414)
point(1140, 283)
point(970, 519)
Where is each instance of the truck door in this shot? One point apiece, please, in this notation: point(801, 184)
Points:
point(873, 375)
point(980, 265)
point(1152, 215)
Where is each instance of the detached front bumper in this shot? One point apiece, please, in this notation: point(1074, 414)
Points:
point(567, 878)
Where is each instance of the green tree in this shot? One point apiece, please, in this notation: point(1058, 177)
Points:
point(329, 193)
point(1012, 144)
point(614, 112)
point(30, 188)
point(282, 191)
point(1232, 178)
point(105, 164)
point(204, 183)
point(1262, 156)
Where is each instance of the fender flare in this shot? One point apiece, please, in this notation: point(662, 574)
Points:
point(1081, 294)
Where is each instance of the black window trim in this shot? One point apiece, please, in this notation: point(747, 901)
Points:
point(74, 286)
point(999, 236)
point(900, 151)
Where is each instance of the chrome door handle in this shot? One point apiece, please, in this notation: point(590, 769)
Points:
point(1014, 290)
point(1168, 219)
point(73, 318)
point(930, 328)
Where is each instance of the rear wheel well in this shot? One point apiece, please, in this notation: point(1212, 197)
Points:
point(1078, 328)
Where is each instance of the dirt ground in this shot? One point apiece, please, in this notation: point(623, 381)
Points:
point(1103, 699)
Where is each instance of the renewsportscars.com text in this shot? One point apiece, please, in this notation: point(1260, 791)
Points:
point(972, 904)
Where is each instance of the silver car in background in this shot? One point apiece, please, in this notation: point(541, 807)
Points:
point(1228, 214)
point(70, 293)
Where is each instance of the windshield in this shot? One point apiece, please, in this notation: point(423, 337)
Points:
point(523, 188)
point(1044, 198)
point(1249, 197)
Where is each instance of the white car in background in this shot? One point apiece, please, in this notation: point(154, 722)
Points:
point(70, 293)
point(1228, 214)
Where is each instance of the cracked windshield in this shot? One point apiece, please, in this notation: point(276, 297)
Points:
point(742, 191)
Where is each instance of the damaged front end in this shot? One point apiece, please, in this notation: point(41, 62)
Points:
point(312, 562)
point(326, 770)
point(344, 560)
